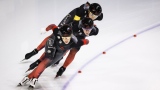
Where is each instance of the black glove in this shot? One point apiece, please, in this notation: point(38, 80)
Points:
point(30, 54)
point(60, 71)
point(34, 64)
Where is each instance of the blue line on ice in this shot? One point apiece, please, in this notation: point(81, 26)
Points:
point(89, 61)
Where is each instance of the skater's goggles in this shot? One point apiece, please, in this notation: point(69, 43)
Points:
point(93, 15)
point(69, 37)
point(85, 26)
point(65, 35)
point(87, 29)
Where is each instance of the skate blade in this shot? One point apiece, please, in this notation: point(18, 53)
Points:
point(56, 77)
point(27, 70)
point(30, 87)
point(23, 60)
point(19, 85)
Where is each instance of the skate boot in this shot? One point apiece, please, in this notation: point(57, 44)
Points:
point(30, 54)
point(24, 81)
point(33, 83)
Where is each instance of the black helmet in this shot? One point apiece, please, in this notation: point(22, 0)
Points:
point(86, 23)
point(65, 30)
point(95, 8)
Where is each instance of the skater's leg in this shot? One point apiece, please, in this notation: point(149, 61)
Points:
point(42, 57)
point(68, 60)
point(70, 57)
point(40, 68)
point(34, 75)
point(55, 64)
point(36, 63)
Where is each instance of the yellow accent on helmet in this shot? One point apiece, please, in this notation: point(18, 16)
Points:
point(77, 18)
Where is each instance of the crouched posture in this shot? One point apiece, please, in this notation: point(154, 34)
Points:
point(59, 42)
point(81, 29)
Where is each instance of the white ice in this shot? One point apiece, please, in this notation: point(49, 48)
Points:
point(131, 65)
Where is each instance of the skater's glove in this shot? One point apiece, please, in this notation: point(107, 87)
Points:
point(60, 71)
point(82, 42)
point(34, 64)
point(85, 41)
point(43, 31)
point(30, 54)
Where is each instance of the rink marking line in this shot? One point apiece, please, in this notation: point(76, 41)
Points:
point(89, 61)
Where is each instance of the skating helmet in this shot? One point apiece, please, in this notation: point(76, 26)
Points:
point(66, 30)
point(95, 8)
point(86, 23)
